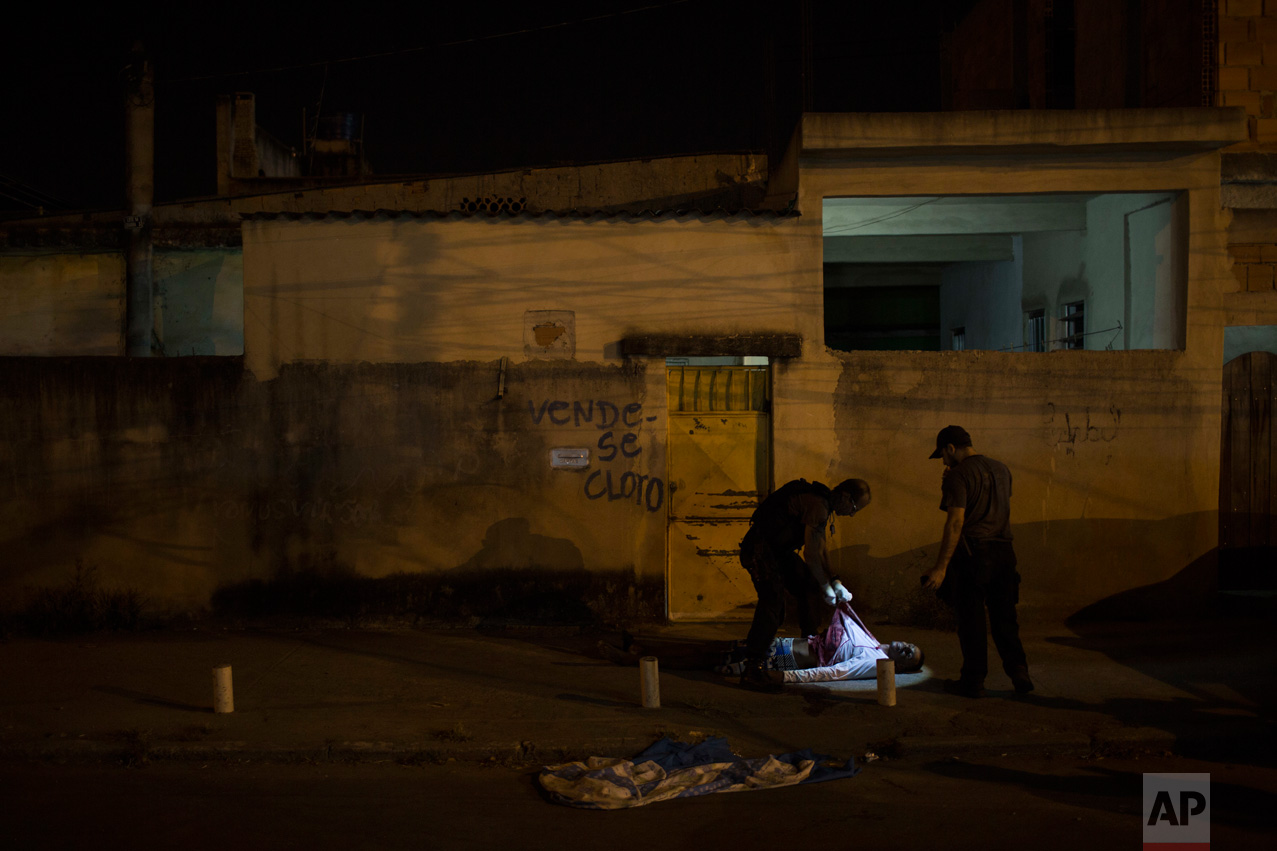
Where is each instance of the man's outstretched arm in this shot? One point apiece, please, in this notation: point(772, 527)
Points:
point(948, 544)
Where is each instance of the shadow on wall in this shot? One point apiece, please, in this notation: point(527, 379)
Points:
point(506, 582)
point(1064, 564)
point(511, 543)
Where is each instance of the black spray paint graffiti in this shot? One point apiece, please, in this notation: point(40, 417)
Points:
point(1081, 429)
point(643, 490)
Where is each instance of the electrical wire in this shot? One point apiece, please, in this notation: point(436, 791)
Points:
point(883, 218)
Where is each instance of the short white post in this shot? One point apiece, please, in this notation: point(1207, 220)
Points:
point(223, 694)
point(886, 682)
point(651, 683)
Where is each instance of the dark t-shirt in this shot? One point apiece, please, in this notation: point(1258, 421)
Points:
point(981, 486)
point(785, 525)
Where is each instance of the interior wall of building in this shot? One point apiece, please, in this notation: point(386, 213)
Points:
point(984, 298)
point(1134, 262)
point(200, 301)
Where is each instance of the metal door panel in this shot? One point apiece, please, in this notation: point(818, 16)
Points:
point(719, 464)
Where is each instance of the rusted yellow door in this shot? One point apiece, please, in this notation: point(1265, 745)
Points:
point(719, 463)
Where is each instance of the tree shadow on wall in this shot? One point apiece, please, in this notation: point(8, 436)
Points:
point(510, 543)
point(517, 564)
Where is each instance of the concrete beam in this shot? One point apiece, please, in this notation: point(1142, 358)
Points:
point(1022, 131)
point(918, 249)
point(1006, 214)
point(697, 345)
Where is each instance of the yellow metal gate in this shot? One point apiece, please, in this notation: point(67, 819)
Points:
point(719, 464)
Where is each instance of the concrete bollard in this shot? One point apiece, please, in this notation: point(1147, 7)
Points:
point(651, 683)
point(223, 694)
point(886, 682)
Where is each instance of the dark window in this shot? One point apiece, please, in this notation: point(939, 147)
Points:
point(1074, 325)
point(883, 318)
point(1035, 331)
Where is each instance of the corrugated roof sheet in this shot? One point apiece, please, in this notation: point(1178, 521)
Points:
point(625, 214)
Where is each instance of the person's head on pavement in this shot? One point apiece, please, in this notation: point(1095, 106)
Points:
point(908, 657)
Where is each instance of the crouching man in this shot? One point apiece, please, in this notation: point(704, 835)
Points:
point(794, 516)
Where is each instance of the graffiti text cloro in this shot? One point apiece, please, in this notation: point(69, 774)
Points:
point(639, 489)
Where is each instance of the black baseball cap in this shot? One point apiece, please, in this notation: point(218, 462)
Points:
point(957, 435)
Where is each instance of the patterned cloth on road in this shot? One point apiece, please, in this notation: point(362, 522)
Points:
point(670, 769)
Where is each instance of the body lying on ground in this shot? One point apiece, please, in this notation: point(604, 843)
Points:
point(846, 650)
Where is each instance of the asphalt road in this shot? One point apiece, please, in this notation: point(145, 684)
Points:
point(991, 802)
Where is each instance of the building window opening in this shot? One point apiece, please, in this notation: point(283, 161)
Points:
point(1074, 325)
point(1035, 331)
point(1013, 273)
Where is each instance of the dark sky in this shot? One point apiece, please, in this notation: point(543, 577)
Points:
point(452, 88)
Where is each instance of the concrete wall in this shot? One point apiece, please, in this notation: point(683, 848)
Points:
point(71, 303)
point(1115, 454)
point(189, 481)
point(201, 301)
point(61, 304)
point(408, 290)
point(1255, 338)
point(401, 393)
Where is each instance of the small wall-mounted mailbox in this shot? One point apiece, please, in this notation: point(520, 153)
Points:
point(569, 458)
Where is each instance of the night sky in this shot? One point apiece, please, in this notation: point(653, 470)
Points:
point(462, 88)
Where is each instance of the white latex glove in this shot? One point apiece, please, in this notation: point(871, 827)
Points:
point(831, 596)
point(843, 595)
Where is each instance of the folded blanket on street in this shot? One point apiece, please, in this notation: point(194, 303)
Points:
point(670, 769)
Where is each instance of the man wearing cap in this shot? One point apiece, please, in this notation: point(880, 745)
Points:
point(975, 569)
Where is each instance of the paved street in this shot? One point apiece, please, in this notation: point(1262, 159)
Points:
point(989, 802)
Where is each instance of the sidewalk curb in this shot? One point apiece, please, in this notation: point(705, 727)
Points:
point(513, 753)
point(424, 752)
point(1106, 741)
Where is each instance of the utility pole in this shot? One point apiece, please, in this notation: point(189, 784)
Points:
point(139, 170)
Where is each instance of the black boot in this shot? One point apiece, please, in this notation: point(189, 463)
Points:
point(1020, 679)
point(962, 688)
point(757, 678)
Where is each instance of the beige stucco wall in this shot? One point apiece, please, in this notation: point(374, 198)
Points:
point(71, 302)
point(200, 298)
point(61, 304)
point(430, 290)
point(408, 290)
point(1114, 454)
point(396, 414)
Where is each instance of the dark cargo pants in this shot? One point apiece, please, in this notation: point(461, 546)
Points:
point(986, 579)
point(773, 574)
